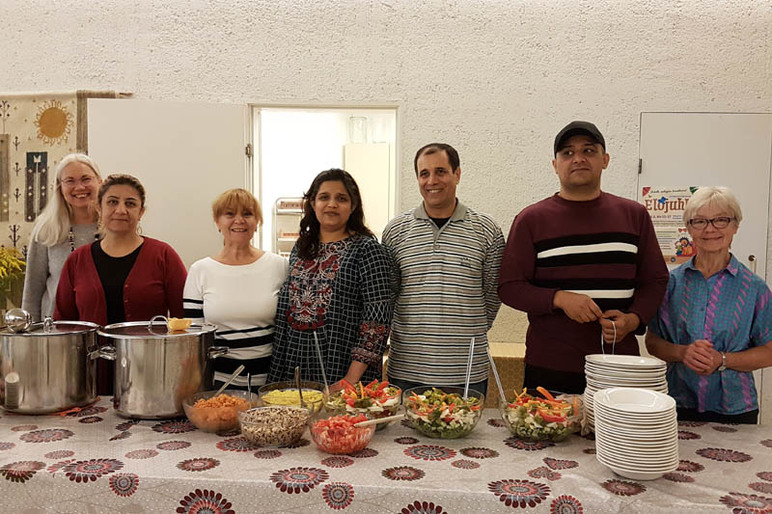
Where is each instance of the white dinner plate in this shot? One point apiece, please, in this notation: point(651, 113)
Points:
point(630, 399)
point(634, 474)
point(663, 466)
point(625, 360)
point(633, 459)
point(635, 416)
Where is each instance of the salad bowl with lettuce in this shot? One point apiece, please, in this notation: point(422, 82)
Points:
point(545, 418)
point(443, 412)
point(375, 400)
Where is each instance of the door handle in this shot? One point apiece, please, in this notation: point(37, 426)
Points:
point(752, 261)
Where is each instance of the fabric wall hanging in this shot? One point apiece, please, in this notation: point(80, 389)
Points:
point(36, 131)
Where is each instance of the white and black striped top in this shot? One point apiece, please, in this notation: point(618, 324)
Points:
point(447, 279)
point(241, 302)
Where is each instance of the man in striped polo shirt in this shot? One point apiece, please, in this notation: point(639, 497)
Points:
point(446, 268)
point(584, 265)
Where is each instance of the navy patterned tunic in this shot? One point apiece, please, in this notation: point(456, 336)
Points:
point(344, 296)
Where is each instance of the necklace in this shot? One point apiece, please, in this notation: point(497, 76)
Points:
point(71, 239)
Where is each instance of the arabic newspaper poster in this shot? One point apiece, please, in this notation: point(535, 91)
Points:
point(666, 208)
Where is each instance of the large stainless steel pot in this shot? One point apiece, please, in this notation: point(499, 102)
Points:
point(155, 370)
point(49, 367)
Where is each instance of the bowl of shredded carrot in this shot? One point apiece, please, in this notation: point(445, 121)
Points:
point(218, 413)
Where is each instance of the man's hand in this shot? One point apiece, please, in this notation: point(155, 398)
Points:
point(579, 307)
point(701, 357)
point(617, 324)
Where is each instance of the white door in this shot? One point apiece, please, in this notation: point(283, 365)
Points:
point(184, 154)
point(733, 150)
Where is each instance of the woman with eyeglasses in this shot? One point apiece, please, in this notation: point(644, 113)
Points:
point(714, 326)
point(68, 222)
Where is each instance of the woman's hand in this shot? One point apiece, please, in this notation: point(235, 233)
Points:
point(701, 357)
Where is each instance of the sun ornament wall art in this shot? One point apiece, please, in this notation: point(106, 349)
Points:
point(54, 122)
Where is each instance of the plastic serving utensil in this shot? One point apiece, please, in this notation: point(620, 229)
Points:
point(379, 420)
point(496, 375)
point(300, 389)
point(468, 369)
point(230, 379)
point(321, 365)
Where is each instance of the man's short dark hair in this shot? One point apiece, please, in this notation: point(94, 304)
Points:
point(431, 148)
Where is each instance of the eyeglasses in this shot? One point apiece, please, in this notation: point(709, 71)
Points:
point(72, 182)
point(702, 223)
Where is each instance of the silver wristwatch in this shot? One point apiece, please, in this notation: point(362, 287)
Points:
point(723, 362)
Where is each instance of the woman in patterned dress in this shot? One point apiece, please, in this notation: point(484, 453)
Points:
point(714, 326)
point(338, 289)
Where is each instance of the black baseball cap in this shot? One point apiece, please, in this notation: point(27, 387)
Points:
point(584, 128)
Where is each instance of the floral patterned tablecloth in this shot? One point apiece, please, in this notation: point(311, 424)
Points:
point(95, 461)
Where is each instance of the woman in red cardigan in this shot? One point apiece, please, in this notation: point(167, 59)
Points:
point(124, 276)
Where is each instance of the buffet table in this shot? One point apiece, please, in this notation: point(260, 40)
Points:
point(94, 461)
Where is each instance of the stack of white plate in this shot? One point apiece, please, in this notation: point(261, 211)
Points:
point(636, 432)
point(604, 371)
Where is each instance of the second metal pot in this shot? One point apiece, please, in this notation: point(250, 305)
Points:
point(156, 370)
point(48, 367)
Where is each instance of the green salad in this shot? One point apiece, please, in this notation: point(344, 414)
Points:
point(537, 419)
point(443, 415)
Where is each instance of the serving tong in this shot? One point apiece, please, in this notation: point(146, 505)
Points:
point(300, 389)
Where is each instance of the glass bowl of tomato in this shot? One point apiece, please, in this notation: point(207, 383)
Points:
point(545, 418)
point(337, 434)
point(375, 400)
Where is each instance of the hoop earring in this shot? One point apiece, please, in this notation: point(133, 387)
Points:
point(139, 229)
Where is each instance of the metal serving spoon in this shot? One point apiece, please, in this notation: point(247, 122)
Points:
point(230, 379)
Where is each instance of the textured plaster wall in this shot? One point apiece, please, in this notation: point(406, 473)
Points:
point(495, 78)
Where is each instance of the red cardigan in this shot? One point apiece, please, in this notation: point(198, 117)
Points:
point(154, 286)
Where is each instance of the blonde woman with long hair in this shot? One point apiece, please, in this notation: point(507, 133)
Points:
point(67, 222)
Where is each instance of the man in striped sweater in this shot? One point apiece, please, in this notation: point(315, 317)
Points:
point(446, 268)
point(581, 263)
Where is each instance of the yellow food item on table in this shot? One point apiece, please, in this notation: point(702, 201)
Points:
point(178, 324)
point(291, 397)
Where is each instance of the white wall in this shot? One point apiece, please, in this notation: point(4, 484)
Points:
point(495, 78)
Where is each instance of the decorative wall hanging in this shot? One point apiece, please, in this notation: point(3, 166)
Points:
point(36, 131)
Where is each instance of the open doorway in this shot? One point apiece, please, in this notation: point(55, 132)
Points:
point(293, 144)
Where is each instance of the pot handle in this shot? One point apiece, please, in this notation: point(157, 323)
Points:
point(217, 351)
point(48, 324)
point(153, 320)
point(105, 352)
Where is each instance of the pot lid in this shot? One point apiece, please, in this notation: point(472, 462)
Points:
point(152, 330)
point(55, 328)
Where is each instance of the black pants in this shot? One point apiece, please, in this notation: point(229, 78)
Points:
point(746, 418)
point(553, 381)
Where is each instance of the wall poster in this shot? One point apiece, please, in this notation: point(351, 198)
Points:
point(666, 208)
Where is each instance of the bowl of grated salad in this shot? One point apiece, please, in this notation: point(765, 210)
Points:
point(546, 418)
point(443, 412)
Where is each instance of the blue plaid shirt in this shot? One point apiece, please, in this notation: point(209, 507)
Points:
point(732, 310)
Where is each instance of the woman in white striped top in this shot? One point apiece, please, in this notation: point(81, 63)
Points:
point(236, 290)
